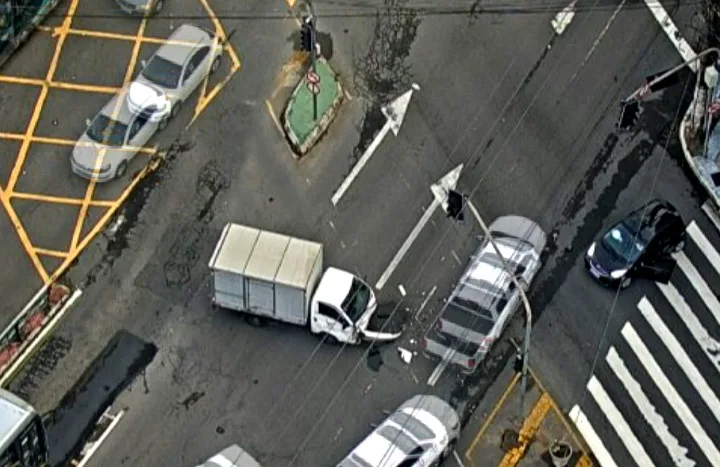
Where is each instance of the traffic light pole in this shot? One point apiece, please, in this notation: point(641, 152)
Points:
point(645, 88)
point(313, 52)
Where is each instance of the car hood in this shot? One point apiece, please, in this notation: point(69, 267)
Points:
point(86, 153)
point(605, 261)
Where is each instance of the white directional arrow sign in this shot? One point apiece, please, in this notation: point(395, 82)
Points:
point(440, 193)
point(395, 114)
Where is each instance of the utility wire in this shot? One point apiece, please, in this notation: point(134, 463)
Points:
point(473, 10)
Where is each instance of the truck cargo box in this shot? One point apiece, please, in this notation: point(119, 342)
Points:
point(265, 273)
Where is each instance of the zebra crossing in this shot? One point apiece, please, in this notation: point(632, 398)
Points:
point(654, 399)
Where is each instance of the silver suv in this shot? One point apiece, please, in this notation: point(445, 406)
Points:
point(485, 298)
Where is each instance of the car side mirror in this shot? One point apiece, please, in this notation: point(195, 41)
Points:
point(88, 122)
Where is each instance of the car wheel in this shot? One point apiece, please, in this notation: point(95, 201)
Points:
point(175, 109)
point(121, 169)
point(162, 124)
point(158, 6)
point(215, 64)
point(625, 282)
point(680, 246)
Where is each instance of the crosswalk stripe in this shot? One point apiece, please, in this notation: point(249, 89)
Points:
point(627, 436)
point(591, 437)
point(707, 446)
point(706, 294)
point(648, 410)
point(704, 244)
point(681, 357)
point(710, 346)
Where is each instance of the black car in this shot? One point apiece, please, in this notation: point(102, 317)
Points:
point(640, 245)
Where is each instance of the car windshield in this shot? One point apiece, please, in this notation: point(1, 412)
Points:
point(105, 130)
point(357, 300)
point(162, 72)
point(624, 243)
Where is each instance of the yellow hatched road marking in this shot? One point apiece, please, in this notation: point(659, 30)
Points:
point(493, 413)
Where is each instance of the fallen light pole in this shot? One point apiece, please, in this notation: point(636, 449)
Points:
point(630, 106)
point(526, 304)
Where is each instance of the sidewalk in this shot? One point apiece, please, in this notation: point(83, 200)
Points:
point(302, 130)
point(495, 441)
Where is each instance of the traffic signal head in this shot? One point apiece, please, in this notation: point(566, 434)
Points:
point(307, 35)
point(455, 205)
point(629, 112)
point(305, 39)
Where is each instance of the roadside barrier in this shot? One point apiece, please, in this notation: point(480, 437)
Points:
point(32, 326)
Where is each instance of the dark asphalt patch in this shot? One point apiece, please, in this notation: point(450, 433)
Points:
point(70, 425)
point(176, 272)
point(382, 73)
point(131, 212)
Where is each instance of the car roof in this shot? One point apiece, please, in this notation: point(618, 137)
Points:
point(178, 53)
point(118, 111)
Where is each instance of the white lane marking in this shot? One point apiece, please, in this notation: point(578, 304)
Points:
point(563, 19)
point(616, 419)
point(438, 371)
point(407, 244)
point(591, 437)
point(402, 290)
point(704, 244)
point(649, 412)
point(114, 420)
point(710, 346)
point(681, 357)
point(667, 24)
point(425, 302)
point(706, 294)
point(597, 42)
point(457, 459)
point(711, 212)
point(360, 164)
point(706, 445)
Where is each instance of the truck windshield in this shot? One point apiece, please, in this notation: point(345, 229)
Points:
point(357, 300)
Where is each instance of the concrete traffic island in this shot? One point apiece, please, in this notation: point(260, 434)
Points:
point(298, 120)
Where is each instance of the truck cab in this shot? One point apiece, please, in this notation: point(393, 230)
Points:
point(341, 308)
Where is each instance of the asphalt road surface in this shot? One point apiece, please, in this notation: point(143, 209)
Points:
point(530, 114)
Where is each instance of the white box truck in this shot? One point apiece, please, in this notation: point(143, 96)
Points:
point(273, 276)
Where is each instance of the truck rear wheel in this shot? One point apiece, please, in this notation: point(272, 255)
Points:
point(256, 321)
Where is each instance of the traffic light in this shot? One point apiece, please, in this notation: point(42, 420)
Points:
point(629, 112)
point(519, 362)
point(307, 33)
point(456, 203)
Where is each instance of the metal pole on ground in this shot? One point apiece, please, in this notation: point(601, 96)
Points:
point(313, 53)
point(526, 304)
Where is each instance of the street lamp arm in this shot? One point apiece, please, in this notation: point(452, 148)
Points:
point(639, 92)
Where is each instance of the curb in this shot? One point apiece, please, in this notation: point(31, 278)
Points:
point(301, 148)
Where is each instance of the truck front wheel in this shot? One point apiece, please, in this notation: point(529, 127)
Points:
point(331, 340)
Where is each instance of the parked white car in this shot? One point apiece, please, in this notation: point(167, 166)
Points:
point(422, 432)
point(112, 138)
point(178, 67)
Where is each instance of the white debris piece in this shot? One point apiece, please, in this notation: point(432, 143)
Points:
point(405, 355)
